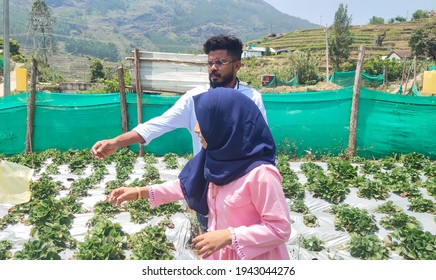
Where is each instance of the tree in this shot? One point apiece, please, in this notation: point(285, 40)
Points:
point(420, 14)
point(400, 19)
point(376, 20)
point(423, 40)
point(40, 26)
point(97, 71)
point(14, 46)
point(341, 41)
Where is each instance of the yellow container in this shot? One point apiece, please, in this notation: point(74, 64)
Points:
point(14, 183)
point(21, 78)
point(429, 83)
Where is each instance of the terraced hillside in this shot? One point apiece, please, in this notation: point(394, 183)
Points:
point(397, 36)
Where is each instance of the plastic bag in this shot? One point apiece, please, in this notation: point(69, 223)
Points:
point(14, 183)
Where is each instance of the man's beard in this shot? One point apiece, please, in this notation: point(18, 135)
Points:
point(225, 81)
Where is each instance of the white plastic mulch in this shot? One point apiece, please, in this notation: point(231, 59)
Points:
point(335, 241)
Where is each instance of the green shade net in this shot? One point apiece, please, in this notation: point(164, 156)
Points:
point(275, 82)
point(300, 122)
point(346, 79)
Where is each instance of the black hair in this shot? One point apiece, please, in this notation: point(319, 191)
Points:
point(224, 42)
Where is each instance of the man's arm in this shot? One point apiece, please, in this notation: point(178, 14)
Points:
point(105, 148)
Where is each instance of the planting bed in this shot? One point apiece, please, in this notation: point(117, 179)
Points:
point(340, 209)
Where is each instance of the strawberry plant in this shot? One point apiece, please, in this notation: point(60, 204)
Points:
point(354, 220)
point(299, 207)
point(292, 188)
point(151, 243)
point(151, 175)
point(414, 161)
point(414, 244)
point(57, 233)
point(370, 167)
point(5, 247)
point(373, 189)
point(398, 220)
point(111, 185)
point(170, 160)
point(150, 158)
point(105, 209)
point(104, 241)
point(38, 250)
point(342, 170)
point(284, 169)
point(310, 167)
point(367, 247)
point(45, 187)
point(430, 185)
point(48, 211)
point(312, 243)
point(310, 221)
point(81, 186)
point(327, 187)
point(422, 205)
point(79, 159)
point(389, 162)
point(388, 208)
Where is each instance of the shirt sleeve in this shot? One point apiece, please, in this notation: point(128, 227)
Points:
point(178, 116)
point(165, 193)
point(256, 97)
point(274, 228)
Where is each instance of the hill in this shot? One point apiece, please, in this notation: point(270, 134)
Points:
point(397, 37)
point(167, 26)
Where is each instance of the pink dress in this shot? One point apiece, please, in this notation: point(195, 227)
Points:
point(252, 207)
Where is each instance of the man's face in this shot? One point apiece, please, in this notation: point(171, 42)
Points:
point(222, 75)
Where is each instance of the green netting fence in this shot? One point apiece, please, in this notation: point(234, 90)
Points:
point(346, 79)
point(413, 90)
point(300, 122)
point(275, 82)
point(432, 68)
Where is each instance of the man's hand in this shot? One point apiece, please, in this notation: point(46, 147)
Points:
point(208, 243)
point(104, 148)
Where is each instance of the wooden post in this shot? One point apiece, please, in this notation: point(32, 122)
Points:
point(123, 102)
point(414, 70)
point(326, 55)
point(138, 94)
point(351, 150)
point(31, 108)
point(385, 76)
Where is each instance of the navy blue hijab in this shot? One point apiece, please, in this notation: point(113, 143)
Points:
point(238, 140)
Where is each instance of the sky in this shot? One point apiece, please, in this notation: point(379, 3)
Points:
point(323, 11)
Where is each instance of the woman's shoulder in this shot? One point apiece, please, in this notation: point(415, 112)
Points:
point(265, 170)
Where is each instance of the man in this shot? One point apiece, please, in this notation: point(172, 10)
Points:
point(224, 61)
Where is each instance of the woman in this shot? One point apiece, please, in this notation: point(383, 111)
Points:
point(233, 180)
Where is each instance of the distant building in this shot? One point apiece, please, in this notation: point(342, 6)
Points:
point(398, 55)
point(256, 52)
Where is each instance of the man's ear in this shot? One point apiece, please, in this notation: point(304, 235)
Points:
point(238, 65)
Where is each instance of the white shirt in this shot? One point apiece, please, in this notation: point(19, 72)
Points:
point(182, 115)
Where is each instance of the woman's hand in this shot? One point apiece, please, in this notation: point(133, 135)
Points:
point(119, 195)
point(212, 241)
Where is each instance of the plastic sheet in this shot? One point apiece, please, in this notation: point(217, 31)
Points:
point(14, 183)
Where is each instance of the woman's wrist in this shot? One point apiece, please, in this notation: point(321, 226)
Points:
point(142, 192)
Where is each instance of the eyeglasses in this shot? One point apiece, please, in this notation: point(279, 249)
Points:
point(219, 63)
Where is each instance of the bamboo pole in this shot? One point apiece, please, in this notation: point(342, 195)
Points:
point(138, 95)
point(123, 102)
point(31, 108)
point(351, 150)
